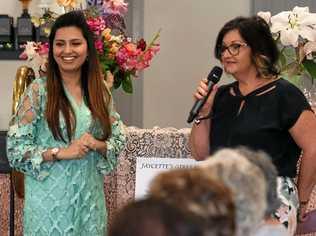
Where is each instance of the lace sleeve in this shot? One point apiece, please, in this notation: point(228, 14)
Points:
point(114, 144)
point(23, 152)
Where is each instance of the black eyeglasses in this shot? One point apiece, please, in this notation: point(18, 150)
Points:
point(233, 49)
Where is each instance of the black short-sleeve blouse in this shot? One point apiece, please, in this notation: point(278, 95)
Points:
point(262, 123)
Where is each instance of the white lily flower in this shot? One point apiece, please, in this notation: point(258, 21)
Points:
point(30, 50)
point(292, 24)
point(266, 15)
point(309, 48)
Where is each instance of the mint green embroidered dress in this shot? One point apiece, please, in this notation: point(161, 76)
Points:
point(64, 197)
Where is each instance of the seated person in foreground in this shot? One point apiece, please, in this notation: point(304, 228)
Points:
point(198, 194)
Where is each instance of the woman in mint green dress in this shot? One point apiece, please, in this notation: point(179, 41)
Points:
point(65, 136)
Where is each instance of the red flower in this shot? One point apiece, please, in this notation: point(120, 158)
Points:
point(141, 44)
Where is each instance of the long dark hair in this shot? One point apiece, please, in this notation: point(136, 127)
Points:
point(256, 33)
point(96, 95)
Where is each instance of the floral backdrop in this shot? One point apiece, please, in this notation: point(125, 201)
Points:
point(119, 54)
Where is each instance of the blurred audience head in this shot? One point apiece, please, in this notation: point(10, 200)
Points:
point(247, 184)
point(198, 193)
point(155, 217)
point(264, 162)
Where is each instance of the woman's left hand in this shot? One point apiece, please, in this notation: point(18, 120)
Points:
point(93, 144)
point(89, 141)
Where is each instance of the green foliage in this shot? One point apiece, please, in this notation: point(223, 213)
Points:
point(310, 66)
point(127, 84)
point(124, 79)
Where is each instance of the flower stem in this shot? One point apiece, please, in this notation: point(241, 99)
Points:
point(156, 36)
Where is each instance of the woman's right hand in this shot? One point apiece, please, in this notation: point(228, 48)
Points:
point(76, 150)
point(201, 92)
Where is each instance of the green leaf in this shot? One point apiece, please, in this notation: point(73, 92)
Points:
point(105, 67)
point(127, 84)
point(116, 70)
point(294, 79)
point(290, 54)
point(310, 66)
point(282, 60)
point(117, 82)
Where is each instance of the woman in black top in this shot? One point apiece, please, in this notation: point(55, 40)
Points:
point(259, 110)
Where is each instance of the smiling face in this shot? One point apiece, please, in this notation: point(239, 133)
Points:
point(70, 49)
point(236, 54)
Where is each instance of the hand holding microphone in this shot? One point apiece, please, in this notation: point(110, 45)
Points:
point(205, 94)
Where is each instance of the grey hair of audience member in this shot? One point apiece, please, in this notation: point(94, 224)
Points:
point(264, 162)
point(247, 184)
point(199, 194)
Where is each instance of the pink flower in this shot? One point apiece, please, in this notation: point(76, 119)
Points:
point(115, 6)
point(96, 25)
point(23, 56)
point(147, 56)
point(43, 48)
point(99, 46)
point(131, 58)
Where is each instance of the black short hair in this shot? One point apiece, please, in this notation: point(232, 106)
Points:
point(256, 33)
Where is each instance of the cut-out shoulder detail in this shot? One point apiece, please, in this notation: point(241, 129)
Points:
point(242, 104)
point(266, 91)
point(261, 90)
point(232, 92)
point(26, 111)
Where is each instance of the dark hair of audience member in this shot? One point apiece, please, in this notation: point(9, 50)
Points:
point(155, 217)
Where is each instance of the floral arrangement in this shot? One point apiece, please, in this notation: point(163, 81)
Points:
point(295, 34)
point(118, 53)
point(36, 53)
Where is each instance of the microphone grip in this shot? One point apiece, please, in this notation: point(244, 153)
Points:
point(196, 109)
point(199, 104)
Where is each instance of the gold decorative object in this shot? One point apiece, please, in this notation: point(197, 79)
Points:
point(24, 76)
point(25, 7)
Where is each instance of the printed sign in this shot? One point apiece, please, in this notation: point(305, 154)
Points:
point(148, 168)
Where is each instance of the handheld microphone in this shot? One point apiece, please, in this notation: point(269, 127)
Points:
point(213, 77)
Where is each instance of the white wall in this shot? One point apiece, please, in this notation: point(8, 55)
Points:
point(189, 30)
